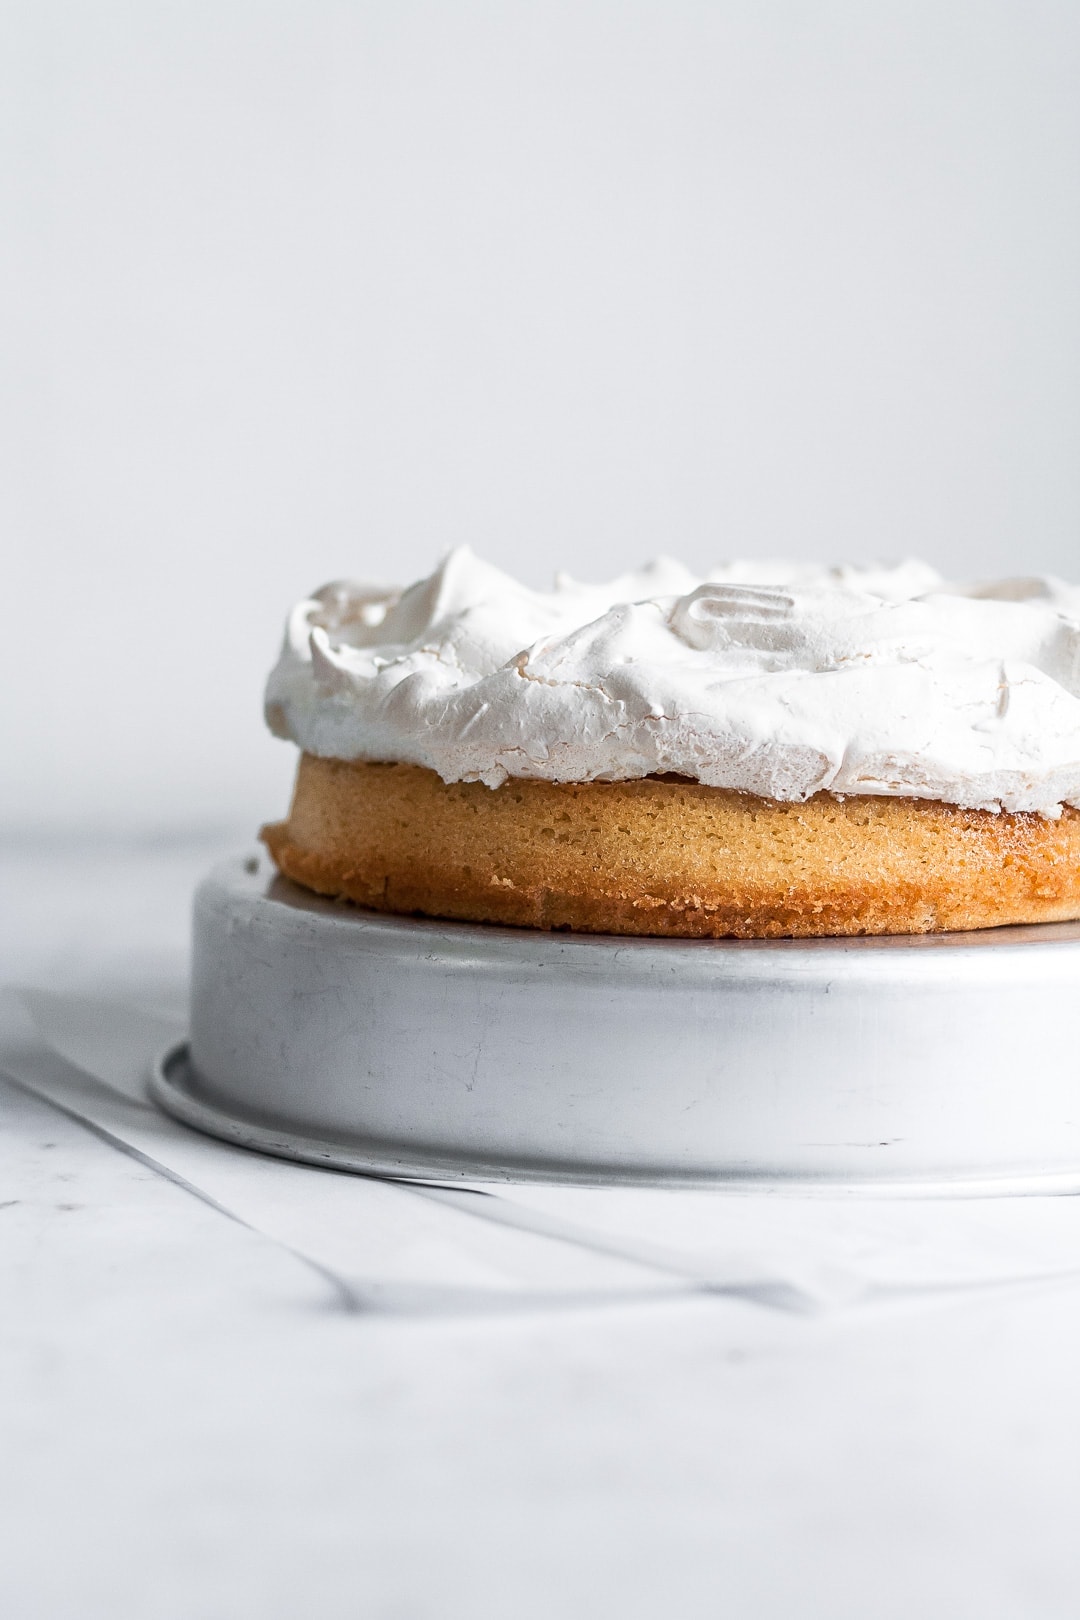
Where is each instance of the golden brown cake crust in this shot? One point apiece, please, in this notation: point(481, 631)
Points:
point(666, 856)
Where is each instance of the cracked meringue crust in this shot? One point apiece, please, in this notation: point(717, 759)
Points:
point(663, 855)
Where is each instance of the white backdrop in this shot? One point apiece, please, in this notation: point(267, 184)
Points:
point(303, 289)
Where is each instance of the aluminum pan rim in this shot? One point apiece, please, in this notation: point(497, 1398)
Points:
point(172, 1086)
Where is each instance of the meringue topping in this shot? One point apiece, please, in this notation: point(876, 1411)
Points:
point(769, 678)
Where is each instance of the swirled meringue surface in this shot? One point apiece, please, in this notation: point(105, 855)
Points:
point(767, 677)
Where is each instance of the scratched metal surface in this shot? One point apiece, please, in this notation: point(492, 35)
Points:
point(423, 1048)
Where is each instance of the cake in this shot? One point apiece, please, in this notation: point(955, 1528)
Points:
point(772, 751)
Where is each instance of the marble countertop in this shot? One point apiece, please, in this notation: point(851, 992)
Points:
point(207, 1416)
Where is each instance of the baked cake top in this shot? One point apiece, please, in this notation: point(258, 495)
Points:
point(770, 678)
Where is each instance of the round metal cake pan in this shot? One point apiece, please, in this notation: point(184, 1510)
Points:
point(437, 1049)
